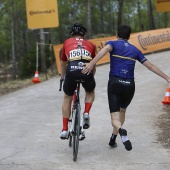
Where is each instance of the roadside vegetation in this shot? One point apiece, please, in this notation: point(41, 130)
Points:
point(8, 86)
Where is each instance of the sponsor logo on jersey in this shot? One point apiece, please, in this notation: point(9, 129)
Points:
point(124, 81)
point(80, 66)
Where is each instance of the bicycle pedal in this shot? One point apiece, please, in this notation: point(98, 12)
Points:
point(82, 136)
point(86, 126)
point(64, 138)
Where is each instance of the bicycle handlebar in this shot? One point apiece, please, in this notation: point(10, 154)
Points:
point(61, 82)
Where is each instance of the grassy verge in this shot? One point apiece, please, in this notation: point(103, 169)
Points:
point(14, 85)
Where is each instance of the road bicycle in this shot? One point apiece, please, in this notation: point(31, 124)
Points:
point(76, 132)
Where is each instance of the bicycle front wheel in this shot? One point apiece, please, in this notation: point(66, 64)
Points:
point(70, 134)
point(70, 139)
point(76, 133)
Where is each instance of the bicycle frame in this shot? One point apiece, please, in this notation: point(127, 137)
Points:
point(76, 127)
point(75, 102)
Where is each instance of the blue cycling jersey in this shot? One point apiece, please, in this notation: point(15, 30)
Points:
point(123, 58)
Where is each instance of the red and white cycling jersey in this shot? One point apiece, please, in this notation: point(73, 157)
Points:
point(77, 49)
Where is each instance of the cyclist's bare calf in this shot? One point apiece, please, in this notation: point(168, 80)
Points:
point(89, 97)
point(120, 116)
point(118, 119)
point(66, 107)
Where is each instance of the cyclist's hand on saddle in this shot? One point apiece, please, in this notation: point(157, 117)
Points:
point(88, 68)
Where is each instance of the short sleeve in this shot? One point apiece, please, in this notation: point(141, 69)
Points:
point(141, 57)
point(63, 55)
point(111, 43)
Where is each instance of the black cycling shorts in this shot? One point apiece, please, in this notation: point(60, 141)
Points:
point(120, 93)
point(70, 84)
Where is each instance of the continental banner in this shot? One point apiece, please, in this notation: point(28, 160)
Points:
point(42, 14)
point(163, 5)
point(148, 41)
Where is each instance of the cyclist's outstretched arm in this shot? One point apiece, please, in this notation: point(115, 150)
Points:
point(156, 70)
point(101, 53)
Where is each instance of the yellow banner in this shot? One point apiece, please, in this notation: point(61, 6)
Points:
point(163, 5)
point(147, 42)
point(42, 14)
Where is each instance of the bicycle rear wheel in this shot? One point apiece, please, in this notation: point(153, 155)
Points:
point(76, 133)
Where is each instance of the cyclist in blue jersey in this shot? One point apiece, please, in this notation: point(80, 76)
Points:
point(121, 85)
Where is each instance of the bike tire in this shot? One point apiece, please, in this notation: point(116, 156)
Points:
point(76, 134)
point(70, 134)
point(70, 140)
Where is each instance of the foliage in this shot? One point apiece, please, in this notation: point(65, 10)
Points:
point(104, 19)
point(27, 64)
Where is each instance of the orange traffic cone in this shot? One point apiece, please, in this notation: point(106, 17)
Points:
point(167, 97)
point(36, 78)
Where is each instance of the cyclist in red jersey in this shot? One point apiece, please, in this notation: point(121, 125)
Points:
point(76, 52)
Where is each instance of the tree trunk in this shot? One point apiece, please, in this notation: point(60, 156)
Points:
point(89, 30)
point(150, 14)
point(139, 17)
point(42, 43)
point(119, 21)
point(112, 21)
point(12, 39)
point(101, 16)
point(166, 19)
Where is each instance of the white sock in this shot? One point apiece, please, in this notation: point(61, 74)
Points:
point(124, 138)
